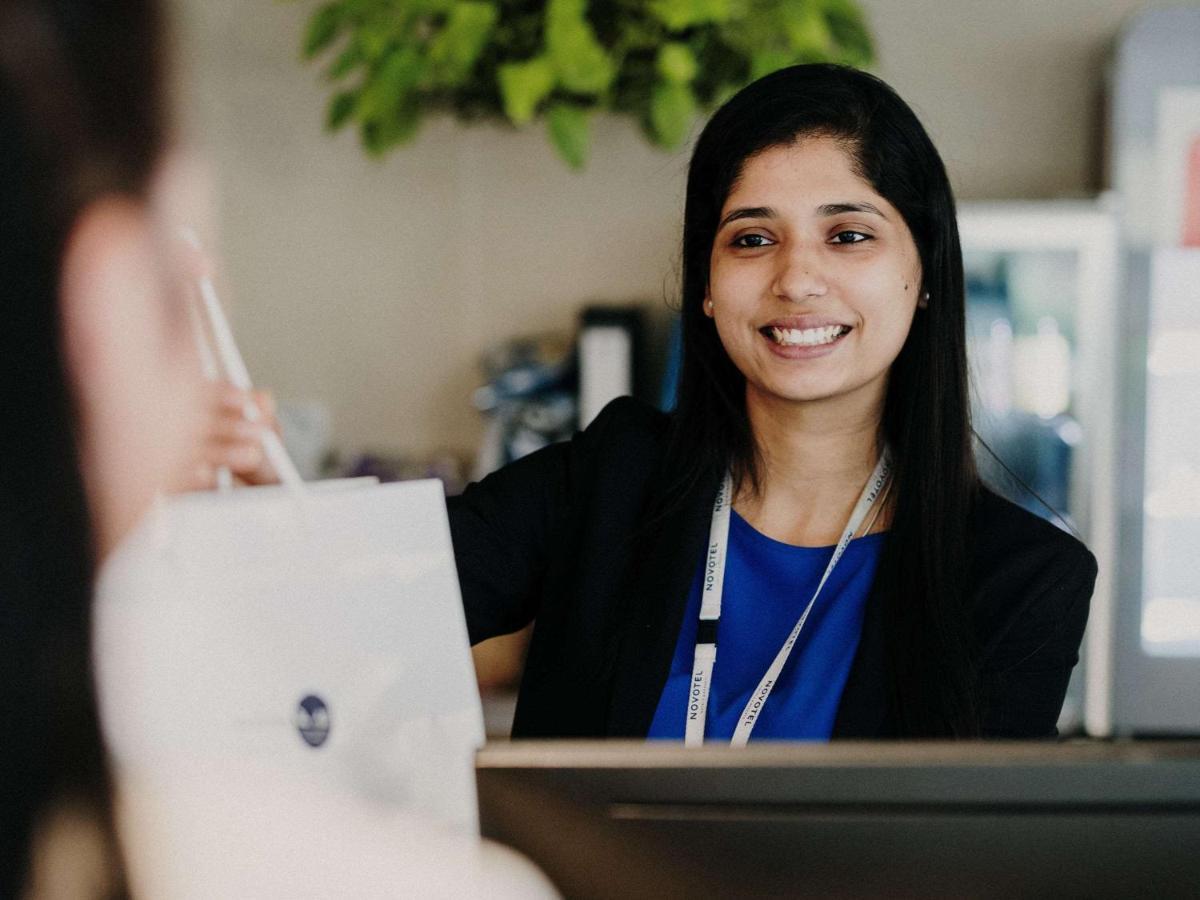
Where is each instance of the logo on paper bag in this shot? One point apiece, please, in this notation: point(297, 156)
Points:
point(312, 720)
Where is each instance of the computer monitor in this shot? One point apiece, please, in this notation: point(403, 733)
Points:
point(625, 819)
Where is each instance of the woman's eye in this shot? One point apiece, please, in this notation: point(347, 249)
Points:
point(851, 237)
point(751, 240)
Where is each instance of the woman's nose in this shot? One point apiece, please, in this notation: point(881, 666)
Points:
point(800, 275)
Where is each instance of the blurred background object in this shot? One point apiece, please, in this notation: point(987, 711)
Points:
point(307, 427)
point(611, 360)
point(1042, 327)
point(529, 398)
point(1155, 132)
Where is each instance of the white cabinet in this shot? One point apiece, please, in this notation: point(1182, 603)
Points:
point(1042, 312)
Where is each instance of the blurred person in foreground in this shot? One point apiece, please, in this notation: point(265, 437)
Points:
point(104, 409)
point(101, 396)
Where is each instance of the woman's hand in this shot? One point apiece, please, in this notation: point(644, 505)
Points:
point(230, 441)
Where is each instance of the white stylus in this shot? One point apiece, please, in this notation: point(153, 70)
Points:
point(235, 369)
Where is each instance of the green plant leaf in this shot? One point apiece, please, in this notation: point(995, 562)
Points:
point(373, 42)
point(807, 30)
point(348, 60)
point(680, 14)
point(677, 64)
point(425, 7)
point(391, 85)
point(570, 133)
point(850, 32)
point(392, 61)
point(724, 93)
point(341, 108)
point(455, 49)
point(672, 110)
point(763, 26)
point(582, 63)
point(767, 61)
point(322, 28)
point(380, 135)
point(523, 86)
point(566, 10)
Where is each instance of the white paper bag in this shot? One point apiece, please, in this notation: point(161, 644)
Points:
point(318, 635)
point(285, 685)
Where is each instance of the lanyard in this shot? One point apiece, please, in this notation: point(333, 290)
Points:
point(710, 609)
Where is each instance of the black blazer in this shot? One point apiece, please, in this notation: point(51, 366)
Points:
point(560, 536)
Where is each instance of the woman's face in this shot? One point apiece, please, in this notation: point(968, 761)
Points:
point(814, 278)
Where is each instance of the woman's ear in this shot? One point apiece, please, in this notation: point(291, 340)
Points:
point(708, 305)
point(923, 300)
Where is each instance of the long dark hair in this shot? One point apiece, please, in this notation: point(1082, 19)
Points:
point(926, 416)
point(80, 117)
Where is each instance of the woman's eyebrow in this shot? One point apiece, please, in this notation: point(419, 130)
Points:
point(836, 209)
point(748, 212)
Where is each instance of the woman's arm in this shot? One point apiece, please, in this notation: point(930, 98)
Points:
point(503, 528)
point(1025, 676)
point(508, 527)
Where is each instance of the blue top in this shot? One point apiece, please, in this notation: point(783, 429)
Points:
point(767, 586)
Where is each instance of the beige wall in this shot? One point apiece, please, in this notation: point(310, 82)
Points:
point(375, 285)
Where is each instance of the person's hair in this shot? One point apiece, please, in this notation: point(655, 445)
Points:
point(926, 418)
point(81, 116)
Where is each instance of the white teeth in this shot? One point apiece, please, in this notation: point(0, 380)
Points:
point(808, 337)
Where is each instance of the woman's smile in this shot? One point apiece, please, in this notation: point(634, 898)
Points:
point(804, 337)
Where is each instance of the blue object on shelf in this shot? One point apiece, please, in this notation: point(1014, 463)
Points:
point(669, 395)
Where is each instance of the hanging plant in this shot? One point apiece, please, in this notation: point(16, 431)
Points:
point(661, 61)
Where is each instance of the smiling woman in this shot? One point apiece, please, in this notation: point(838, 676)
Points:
point(812, 505)
point(858, 578)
